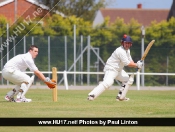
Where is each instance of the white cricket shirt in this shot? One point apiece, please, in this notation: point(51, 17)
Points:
point(119, 58)
point(21, 62)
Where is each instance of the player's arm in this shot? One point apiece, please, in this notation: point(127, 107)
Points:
point(31, 65)
point(40, 75)
point(129, 62)
point(132, 64)
point(138, 65)
point(50, 83)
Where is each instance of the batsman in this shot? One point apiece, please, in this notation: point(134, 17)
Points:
point(114, 70)
point(14, 71)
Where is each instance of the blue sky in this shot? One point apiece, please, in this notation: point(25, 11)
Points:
point(146, 4)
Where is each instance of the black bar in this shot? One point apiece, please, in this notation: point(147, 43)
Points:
point(87, 121)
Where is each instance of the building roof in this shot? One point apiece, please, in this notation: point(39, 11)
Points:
point(4, 2)
point(143, 16)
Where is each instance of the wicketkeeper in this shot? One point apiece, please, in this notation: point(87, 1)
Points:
point(114, 70)
point(13, 71)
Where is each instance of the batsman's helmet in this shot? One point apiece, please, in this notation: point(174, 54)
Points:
point(126, 38)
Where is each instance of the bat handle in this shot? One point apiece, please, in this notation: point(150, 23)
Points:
point(138, 69)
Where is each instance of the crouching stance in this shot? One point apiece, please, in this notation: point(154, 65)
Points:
point(13, 71)
point(114, 70)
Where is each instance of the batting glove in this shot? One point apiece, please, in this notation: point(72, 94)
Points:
point(139, 64)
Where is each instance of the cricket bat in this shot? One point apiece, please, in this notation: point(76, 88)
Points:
point(146, 51)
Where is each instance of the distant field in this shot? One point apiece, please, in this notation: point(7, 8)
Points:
point(73, 103)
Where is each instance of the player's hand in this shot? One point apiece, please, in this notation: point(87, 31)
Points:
point(50, 83)
point(139, 64)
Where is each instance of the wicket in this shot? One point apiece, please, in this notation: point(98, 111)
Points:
point(54, 76)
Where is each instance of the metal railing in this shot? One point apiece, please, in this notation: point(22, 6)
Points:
point(66, 83)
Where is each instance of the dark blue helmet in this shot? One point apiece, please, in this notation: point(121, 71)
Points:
point(126, 38)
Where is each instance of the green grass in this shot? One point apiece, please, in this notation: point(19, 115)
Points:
point(73, 103)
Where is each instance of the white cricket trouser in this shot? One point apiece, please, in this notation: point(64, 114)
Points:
point(110, 75)
point(15, 76)
point(108, 80)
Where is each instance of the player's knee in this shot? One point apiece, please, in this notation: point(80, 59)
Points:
point(23, 85)
point(108, 84)
point(125, 80)
point(27, 79)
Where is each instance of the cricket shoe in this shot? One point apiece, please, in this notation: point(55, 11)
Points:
point(8, 98)
point(90, 97)
point(24, 99)
point(125, 99)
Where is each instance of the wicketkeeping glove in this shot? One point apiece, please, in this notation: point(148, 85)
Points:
point(139, 64)
point(50, 83)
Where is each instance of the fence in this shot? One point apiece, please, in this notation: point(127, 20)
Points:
point(136, 73)
point(78, 56)
point(66, 82)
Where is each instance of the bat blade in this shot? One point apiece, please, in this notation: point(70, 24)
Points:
point(147, 50)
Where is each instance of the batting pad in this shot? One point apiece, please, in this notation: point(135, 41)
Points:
point(25, 87)
point(128, 84)
point(97, 90)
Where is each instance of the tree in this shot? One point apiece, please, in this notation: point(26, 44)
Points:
point(3, 24)
point(57, 25)
point(85, 9)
